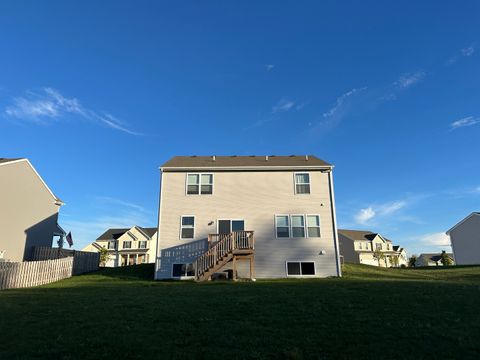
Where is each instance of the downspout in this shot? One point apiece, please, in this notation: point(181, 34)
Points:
point(334, 220)
point(157, 249)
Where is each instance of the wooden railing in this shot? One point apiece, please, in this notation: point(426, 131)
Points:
point(220, 246)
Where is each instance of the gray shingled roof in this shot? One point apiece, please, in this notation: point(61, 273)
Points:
point(5, 160)
point(116, 233)
point(360, 234)
point(434, 257)
point(293, 161)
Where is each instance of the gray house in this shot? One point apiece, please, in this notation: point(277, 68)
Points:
point(28, 210)
point(255, 216)
point(465, 240)
point(434, 259)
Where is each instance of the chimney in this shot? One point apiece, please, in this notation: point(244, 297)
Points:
point(266, 158)
point(213, 157)
point(306, 157)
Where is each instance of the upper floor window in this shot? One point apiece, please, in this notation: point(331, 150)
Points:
point(298, 226)
point(302, 183)
point(187, 227)
point(142, 244)
point(127, 244)
point(360, 246)
point(111, 245)
point(199, 184)
point(379, 246)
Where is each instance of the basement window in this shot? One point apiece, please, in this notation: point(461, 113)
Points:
point(300, 268)
point(182, 270)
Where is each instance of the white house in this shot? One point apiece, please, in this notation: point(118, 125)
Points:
point(257, 216)
point(465, 240)
point(127, 246)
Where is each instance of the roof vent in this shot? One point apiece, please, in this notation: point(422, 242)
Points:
point(306, 157)
point(266, 158)
point(213, 157)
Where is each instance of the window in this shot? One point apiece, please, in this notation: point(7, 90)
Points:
point(187, 227)
point(367, 246)
point(181, 270)
point(111, 245)
point(360, 246)
point(379, 246)
point(300, 268)
point(298, 226)
point(142, 244)
point(302, 183)
point(282, 226)
point(127, 244)
point(199, 184)
point(313, 226)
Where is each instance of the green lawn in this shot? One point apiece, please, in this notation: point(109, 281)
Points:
point(369, 313)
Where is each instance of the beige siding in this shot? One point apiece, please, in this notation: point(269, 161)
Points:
point(28, 214)
point(255, 197)
point(465, 239)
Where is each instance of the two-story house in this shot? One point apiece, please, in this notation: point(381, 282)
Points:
point(257, 216)
point(28, 211)
point(358, 246)
point(465, 240)
point(127, 246)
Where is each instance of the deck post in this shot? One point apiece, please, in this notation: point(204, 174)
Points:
point(234, 274)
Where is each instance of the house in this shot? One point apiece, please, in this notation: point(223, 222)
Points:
point(28, 210)
point(465, 240)
point(251, 216)
point(128, 246)
point(432, 259)
point(358, 246)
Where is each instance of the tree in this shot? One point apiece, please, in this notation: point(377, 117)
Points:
point(445, 259)
point(104, 256)
point(378, 255)
point(412, 260)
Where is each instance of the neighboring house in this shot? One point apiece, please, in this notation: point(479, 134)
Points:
point(358, 246)
point(28, 210)
point(431, 259)
point(465, 240)
point(129, 246)
point(275, 212)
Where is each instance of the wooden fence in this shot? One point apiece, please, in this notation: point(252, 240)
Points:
point(83, 261)
point(34, 273)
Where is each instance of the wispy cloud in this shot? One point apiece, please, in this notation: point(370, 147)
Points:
point(269, 67)
point(467, 121)
point(366, 215)
point(464, 52)
point(283, 105)
point(341, 102)
point(409, 79)
point(114, 201)
point(50, 105)
point(439, 239)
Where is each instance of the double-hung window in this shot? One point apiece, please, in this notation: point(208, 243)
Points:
point(142, 244)
point(298, 226)
point(302, 183)
point(127, 244)
point(111, 245)
point(199, 184)
point(313, 225)
point(187, 227)
point(282, 225)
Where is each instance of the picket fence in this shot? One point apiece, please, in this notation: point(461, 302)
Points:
point(34, 273)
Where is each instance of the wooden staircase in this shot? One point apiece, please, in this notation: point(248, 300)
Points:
point(223, 248)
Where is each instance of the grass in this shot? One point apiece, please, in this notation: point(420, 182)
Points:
point(369, 313)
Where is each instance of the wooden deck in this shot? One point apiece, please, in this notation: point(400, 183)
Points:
point(225, 248)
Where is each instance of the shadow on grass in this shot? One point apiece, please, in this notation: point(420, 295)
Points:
point(143, 272)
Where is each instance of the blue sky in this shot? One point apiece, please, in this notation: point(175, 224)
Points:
point(99, 94)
